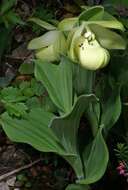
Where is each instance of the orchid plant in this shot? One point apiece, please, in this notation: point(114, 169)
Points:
point(67, 57)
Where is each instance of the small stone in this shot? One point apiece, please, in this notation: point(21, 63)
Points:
point(19, 183)
point(11, 181)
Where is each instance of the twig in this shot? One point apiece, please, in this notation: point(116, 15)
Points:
point(4, 176)
point(18, 58)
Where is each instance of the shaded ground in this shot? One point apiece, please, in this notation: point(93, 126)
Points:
point(49, 172)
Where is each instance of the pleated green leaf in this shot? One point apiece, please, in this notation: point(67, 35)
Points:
point(97, 161)
point(111, 109)
point(66, 129)
point(33, 130)
point(48, 133)
point(93, 115)
point(57, 79)
point(83, 80)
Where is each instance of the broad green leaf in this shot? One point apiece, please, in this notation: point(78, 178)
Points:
point(48, 105)
point(33, 129)
point(76, 164)
point(92, 14)
point(83, 84)
point(60, 137)
point(77, 187)
point(42, 23)
point(108, 91)
point(83, 80)
point(121, 72)
point(93, 115)
point(97, 161)
point(44, 40)
point(57, 79)
point(107, 38)
point(111, 109)
point(66, 129)
point(67, 23)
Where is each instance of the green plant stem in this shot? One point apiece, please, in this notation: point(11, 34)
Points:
point(76, 164)
point(91, 83)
